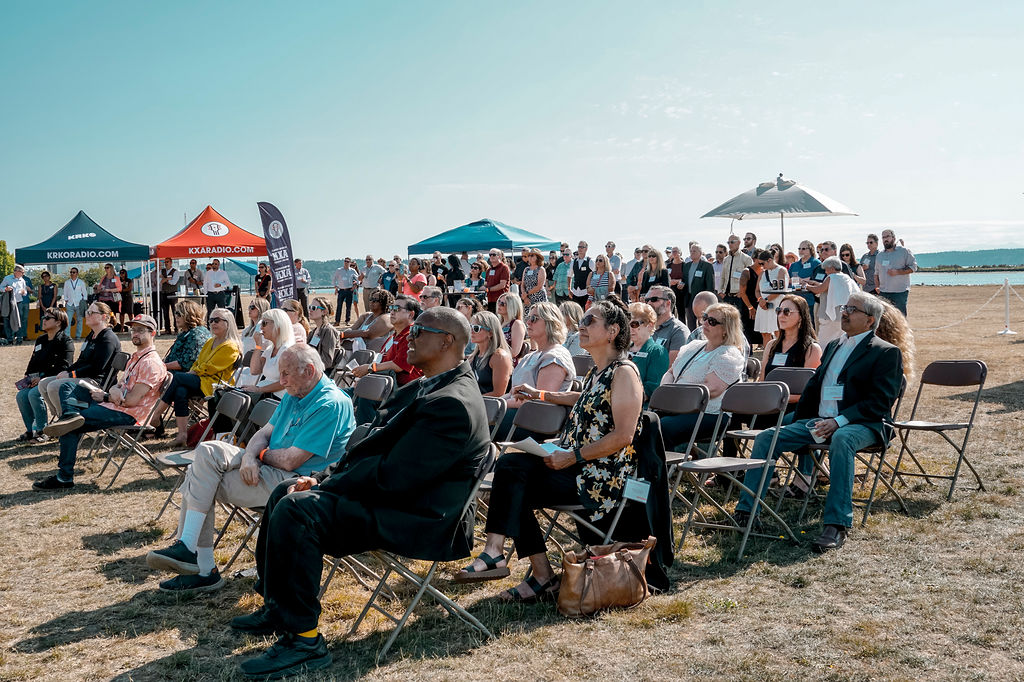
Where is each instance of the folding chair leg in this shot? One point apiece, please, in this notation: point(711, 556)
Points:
point(170, 495)
point(249, 532)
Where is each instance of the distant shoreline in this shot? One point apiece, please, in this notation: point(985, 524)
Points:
point(956, 270)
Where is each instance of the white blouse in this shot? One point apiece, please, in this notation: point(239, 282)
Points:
point(694, 364)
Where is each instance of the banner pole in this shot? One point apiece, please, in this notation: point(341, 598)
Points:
point(1006, 310)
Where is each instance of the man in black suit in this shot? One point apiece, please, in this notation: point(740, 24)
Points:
point(698, 276)
point(400, 488)
point(851, 395)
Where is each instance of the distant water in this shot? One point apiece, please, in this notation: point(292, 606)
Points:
point(945, 279)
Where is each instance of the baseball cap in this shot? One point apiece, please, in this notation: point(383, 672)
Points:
point(145, 321)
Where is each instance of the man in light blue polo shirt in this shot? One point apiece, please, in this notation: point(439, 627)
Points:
point(308, 432)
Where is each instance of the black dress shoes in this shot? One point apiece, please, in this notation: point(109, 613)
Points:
point(833, 537)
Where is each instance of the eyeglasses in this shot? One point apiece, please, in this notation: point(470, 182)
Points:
point(530, 319)
point(588, 320)
point(254, 307)
point(395, 308)
point(846, 254)
point(477, 328)
point(418, 329)
point(805, 248)
point(501, 301)
point(785, 312)
point(710, 321)
point(93, 312)
point(49, 317)
point(652, 299)
point(634, 324)
point(430, 296)
point(850, 309)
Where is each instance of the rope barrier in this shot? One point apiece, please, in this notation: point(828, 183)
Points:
point(1004, 285)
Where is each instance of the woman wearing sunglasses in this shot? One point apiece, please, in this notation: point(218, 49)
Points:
point(300, 325)
point(52, 355)
point(491, 360)
point(264, 282)
point(214, 364)
point(192, 334)
point(846, 255)
point(404, 312)
point(262, 376)
point(591, 467)
point(650, 357)
point(322, 334)
point(796, 345)
point(510, 312)
point(717, 362)
point(375, 323)
point(257, 307)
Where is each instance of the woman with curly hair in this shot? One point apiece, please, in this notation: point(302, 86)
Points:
point(894, 328)
point(189, 319)
point(590, 467)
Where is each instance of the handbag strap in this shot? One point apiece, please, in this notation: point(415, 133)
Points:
point(588, 576)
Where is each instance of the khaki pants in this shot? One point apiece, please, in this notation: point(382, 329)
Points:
point(367, 291)
point(49, 391)
point(213, 476)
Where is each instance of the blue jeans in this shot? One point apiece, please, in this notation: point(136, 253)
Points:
point(897, 298)
point(96, 418)
point(33, 410)
point(845, 442)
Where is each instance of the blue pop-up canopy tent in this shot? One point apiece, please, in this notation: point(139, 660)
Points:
point(82, 240)
point(482, 235)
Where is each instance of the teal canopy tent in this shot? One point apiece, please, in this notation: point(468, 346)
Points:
point(82, 240)
point(249, 268)
point(482, 235)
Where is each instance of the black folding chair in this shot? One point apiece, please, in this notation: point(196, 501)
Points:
point(583, 363)
point(680, 399)
point(496, 408)
point(129, 438)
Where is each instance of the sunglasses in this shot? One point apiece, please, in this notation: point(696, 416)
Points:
point(49, 317)
point(530, 319)
point(653, 256)
point(418, 329)
point(218, 319)
point(253, 307)
point(634, 324)
point(652, 299)
point(477, 328)
point(501, 301)
point(588, 320)
point(395, 308)
point(264, 323)
point(785, 312)
point(710, 321)
point(93, 312)
point(320, 307)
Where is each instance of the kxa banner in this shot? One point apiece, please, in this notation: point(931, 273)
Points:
point(279, 249)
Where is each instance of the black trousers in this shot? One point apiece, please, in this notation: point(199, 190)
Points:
point(581, 300)
point(165, 316)
point(300, 296)
point(296, 532)
point(523, 483)
point(681, 304)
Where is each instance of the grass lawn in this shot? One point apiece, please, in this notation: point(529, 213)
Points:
point(933, 595)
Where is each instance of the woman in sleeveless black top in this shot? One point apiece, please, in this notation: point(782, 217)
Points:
point(796, 345)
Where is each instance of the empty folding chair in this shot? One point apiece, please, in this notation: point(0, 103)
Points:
point(394, 564)
point(545, 419)
point(375, 345)
point(343, 376)
point(679, 399)
point(755, 398)
point(374, 387)
point(233, 405)
point(129, 438)
point(950, 373)
point(795, 378)
point(118, 363)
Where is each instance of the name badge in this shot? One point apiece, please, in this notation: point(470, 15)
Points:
point(38, 348)
point(490, 273)
point(636, 489)
point(820, 276)
point(865, 260)
point(780, 358)
point(640, 354)
point(315, 341)
point(885, 264)
point(736, 275)
point(832, 392)
point(652, 278)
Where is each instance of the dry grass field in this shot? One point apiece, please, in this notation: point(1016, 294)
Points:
point(930, 596)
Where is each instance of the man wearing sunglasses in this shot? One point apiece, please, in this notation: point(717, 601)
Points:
point(400, 488)
point(850, 396)
point(669, 332)
point(394, 355)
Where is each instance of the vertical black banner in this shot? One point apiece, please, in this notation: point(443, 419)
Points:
point(279, 249)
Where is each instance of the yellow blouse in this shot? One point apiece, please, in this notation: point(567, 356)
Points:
point(213, 366)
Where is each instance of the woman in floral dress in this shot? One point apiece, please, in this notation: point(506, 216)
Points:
point(594, 456)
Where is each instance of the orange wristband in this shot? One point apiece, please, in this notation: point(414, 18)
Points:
point(373, 366)
point(262, 453)
point(341, 335)
point(540, 397)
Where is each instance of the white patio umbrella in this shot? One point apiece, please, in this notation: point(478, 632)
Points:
point(779, 198)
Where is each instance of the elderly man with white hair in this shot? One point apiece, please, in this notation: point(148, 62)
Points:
point(308, 432)
point(430, 297)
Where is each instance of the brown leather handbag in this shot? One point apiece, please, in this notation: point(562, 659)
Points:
point(604, 576)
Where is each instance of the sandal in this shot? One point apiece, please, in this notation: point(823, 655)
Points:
point(541, 591)
point(27, 436)
point(492, 572)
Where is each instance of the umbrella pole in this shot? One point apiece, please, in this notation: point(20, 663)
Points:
point(782, 223)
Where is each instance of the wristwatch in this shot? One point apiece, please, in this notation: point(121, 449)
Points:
point(578, 455)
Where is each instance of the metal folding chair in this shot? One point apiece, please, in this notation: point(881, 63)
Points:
point(753, 369)
point(546, 419)
point(118, 363)
point(343, 376)
point(948, 373)
point(129, 437)
point(393, 564)
point(755, 398)
point(233, 405)
point(795, 378)
point(375, 345)
point(583, 363)
point(678, 399)
point(496, 408)
point(375, 387)
point(258, 418)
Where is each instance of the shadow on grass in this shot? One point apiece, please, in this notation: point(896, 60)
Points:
point(111, 543)
point(86, 486)
point(1008, 396)
point(32, 460)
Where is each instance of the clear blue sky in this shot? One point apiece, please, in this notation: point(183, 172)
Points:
point(374, 125)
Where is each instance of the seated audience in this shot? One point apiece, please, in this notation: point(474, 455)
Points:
point(192, 334)
point(215, 364)
point(257, 307)
point(572, 313)
point(431, 297)
point(796, 345)
point(651, 360)
point(717, 362)
point(300, 325)
point(375, 323)
point(404, 312)
point(385, 494)
point(94, 358)
point(85, 408)
point(669, 332)
point(491, 361)
point(510, 312)
point(308, 432)
point(850, 396)
point(469, 306)
point(591, 467)
point(262, 376)
point(700, 303)
point(53, 354)
point(323, 336)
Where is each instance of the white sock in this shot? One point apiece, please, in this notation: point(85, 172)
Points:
point(205, 560)
point(190, 530)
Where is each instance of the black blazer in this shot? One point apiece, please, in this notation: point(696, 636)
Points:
point(871, 382)
point(703, 280)
point(415, 467)
point(50, 358)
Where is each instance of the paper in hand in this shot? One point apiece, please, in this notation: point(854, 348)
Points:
point(532, 447)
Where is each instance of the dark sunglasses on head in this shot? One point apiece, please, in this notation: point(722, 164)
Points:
point(710, 321)
point(418, 329)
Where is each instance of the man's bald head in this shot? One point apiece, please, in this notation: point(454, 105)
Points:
point(450, 320)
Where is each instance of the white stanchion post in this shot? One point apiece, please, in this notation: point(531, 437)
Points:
point(1006, 327)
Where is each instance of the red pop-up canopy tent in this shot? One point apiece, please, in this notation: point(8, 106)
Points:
point(211, 235)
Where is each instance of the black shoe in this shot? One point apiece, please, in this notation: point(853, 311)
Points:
point(742, 517)
point(193, 583)
point(66, 424)
point(288, 656)
point(27, 436)
point(52, 483)
point(261, 622)
point(833, 537)
point(175, 558)
point(791, 492)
